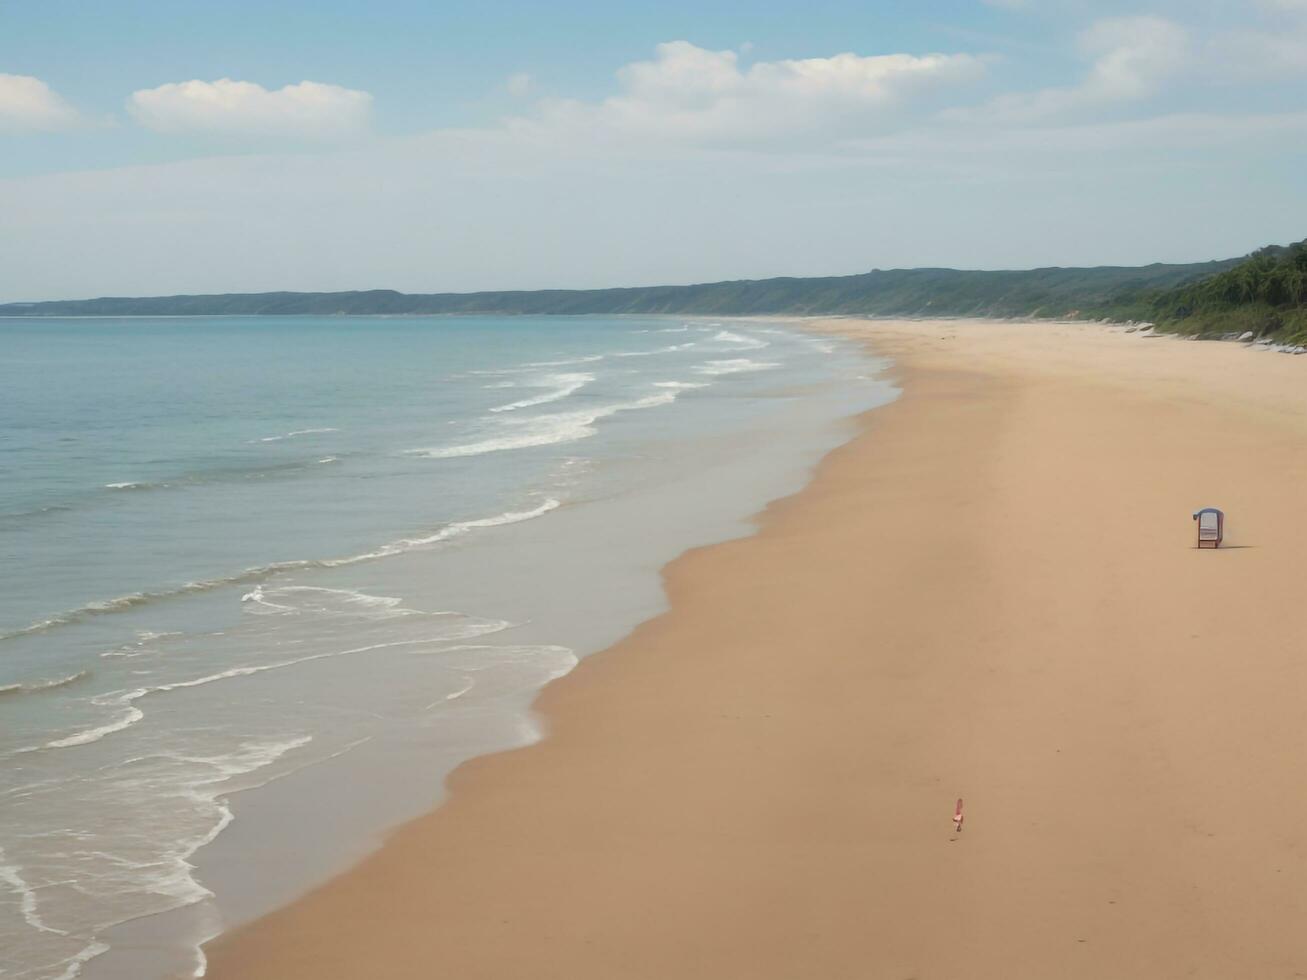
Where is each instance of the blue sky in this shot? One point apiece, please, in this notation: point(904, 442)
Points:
point(151, 147)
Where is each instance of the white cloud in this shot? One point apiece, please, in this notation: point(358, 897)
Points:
point(691, 94)
point(226, 107)
point(27, 103)
point(1131, 58)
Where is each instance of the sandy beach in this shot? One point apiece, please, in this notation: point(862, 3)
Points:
point(991, 593)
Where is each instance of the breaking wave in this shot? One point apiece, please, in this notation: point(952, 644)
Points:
point(35, 687)
point(734, 366)
point(740, 341)
point(129, 717)
point(262, 572)
point(561, 386)
point(545, 430)
point(129, 714)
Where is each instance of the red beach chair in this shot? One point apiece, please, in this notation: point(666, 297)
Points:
point(1211, 527)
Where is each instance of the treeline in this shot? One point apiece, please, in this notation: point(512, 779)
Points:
point(1265, 294)
point(1052, 292)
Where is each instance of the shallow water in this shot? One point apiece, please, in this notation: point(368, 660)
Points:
point(253, 560)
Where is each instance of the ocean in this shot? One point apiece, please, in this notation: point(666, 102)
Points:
point(266, 581)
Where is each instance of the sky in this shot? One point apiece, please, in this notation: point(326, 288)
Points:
point(153, 148)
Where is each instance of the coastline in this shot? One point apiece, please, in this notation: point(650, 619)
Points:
point(565, 580)
point(991, 593)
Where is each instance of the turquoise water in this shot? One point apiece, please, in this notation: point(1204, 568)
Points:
point(248, 559)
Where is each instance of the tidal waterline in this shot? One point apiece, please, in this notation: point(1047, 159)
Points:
point(292, 571)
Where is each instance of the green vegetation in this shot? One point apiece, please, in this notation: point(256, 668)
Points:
point(894, 292)
point(1265, 293)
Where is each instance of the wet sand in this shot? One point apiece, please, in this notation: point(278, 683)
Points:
point(990, 593)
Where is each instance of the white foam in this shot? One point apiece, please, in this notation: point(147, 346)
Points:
point(127, 719)
point(132, 714)
point(561, 385)
point(353, 596)
point(588, 359)
point(58, 681)
point(682, 385)
point(176, 882)
point(75, 963)
point(41, 626)
point(256, 596)
point(451, 530)
point(650, 353)
point(226, 675)
point(482, 628)
point(12, 876)
point(294, 434)
point(533, 365)
point(734, 366)
point(138, 648)
point(146, 636)
point(545, 430)
point(119, 603)
point(463, 527)
point(319, 599)
point(248, 757)
point(741, 342)
point(172, 878)
point(255, 574)
point(469, 683)
point(44, 685)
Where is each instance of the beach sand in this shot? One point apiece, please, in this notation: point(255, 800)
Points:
point(991, 593)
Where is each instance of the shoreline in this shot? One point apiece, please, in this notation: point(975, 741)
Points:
point(583, 577)
point(990, 592)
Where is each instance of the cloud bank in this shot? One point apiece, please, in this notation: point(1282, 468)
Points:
point(235, 108)
point(691, 94)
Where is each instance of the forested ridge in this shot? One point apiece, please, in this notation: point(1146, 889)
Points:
point(1265, 293)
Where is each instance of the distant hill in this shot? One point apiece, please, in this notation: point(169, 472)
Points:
point(1053, 292)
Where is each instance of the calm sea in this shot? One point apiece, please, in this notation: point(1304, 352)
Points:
point(266, 581)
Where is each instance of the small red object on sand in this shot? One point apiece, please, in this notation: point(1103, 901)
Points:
point(957, 815)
